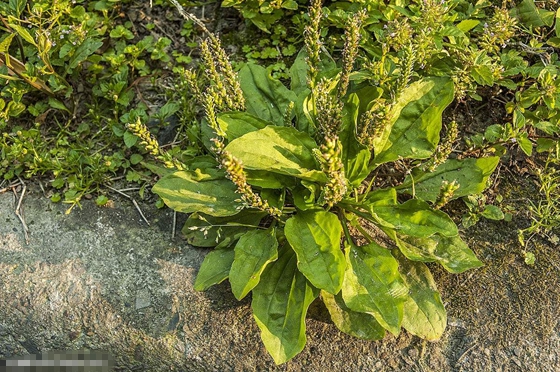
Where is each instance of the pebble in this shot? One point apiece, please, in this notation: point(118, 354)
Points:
point(143, 299)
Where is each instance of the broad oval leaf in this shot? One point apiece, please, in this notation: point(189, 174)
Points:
point(414, 218)
point(315, 237)
point(361, 325)
point(455, 255)
point(203, 230)
point(372, 284)
point(471, 175)
point(380, 197)
point(214, 269)
point(450, 252)
point(280, 303)
point(206, 191)
point(254, 250)
point(414, 121)
point(236, 124)
point(283, 150)
point(265, 97)
point(424, 314)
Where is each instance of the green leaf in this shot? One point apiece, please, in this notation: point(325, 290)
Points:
point(206, 191)
point(452, 253)
point(471, 174)
point(78, 12)
point(214, 269)
point(467, 24)
point(372, 284)
point(493, 212)
point(529, 258)
point(101, 200)
point(202, 230)
point(236, 124)
point(265, 97)
point(135, 159)
point(355, 156)
point(414, 121)
point(545, 144)
point(17, 7)
point(304, 195)
point(482, 75)
point(156, 169)
point(455, 256)
point(525, 144)
point(361, 325)
point(5, 44)
point(424, 314)
point(22, 31)
point(315, 237)
point(130, 139)
point(87, 48)
point(282, 150)
point(557, 23)
point(56, 104)
point(253, 252)
point(531, 16)
point(290, 4)
point(298, 71)
point(380, 197)
point(414, 218)
point(280, 303)
point(415, 249)
point(269, 180)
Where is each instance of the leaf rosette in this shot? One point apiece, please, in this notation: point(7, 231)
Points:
point(297, 211)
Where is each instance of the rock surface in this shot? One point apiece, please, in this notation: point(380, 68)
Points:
point(101, 279)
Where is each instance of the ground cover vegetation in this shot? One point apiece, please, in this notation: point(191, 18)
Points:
point(334, 182)
point(73, 75)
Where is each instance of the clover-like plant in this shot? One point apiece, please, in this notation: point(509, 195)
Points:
point(291, 197)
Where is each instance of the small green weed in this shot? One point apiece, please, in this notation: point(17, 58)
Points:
point(545, 211)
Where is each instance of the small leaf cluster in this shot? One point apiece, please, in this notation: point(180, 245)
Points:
point(263, 13)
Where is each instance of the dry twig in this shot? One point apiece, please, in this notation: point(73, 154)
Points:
point(10, 187)
point(19, 212)
point(174, 224)
point(133, 202)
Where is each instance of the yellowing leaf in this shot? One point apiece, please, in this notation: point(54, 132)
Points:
point(206, 191)
point(372, 284)
point(424, 314)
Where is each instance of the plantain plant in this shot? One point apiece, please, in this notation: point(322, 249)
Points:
point(299, 197)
